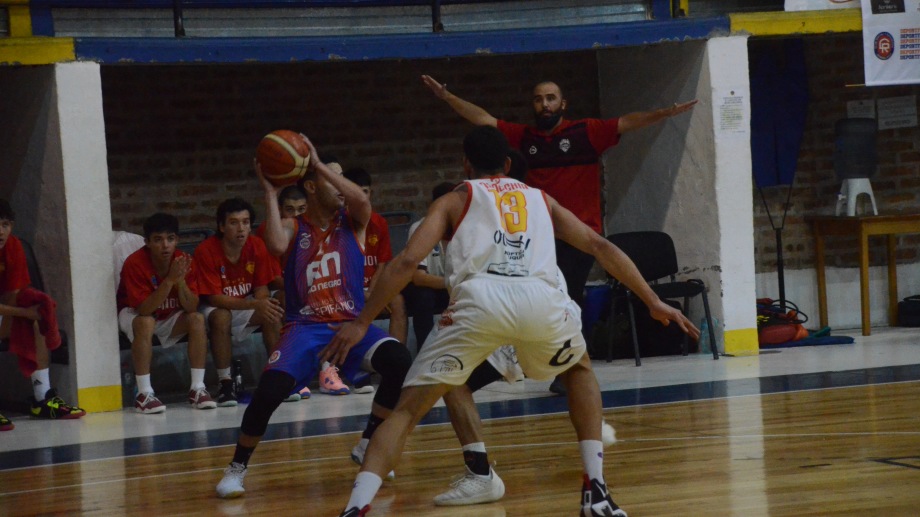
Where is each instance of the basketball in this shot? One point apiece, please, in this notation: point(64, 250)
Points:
point(283, 156)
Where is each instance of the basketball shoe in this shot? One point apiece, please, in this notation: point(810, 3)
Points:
point(148, 404)
point(472, 488)
point(200, 399)
point(357, 455)
point(231, 485)
point(54, 408)
point(330, 383)
point(5, 424)
point(227, 395)
point(355, 512)
point(596, 501)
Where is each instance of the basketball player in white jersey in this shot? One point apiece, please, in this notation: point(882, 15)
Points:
point(505, 289)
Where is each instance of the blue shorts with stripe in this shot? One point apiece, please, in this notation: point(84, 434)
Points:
point(300, 345)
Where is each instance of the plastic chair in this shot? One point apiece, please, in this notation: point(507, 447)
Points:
point(655, 257)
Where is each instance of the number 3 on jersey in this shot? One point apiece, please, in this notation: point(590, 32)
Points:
point(513, 209)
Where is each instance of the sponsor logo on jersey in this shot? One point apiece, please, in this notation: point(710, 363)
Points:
point(565, 145)
point(325, 266)
point(532, 150)
point(275, 356)
point(169, 303)
point(238, 291)
point(305, 240)
point(446, 363)
point(447, 319)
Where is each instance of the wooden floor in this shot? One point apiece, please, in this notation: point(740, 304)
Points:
point(844, 451)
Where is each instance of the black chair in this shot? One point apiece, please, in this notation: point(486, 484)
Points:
point(655, 257)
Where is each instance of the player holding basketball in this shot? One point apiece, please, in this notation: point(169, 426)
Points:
point(323, 279)
point(505, 288)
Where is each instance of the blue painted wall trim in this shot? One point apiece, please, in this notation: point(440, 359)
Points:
point(409, 46)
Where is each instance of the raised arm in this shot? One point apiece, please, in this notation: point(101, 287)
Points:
point(465, 109)
point(278, 232)
point(641, 119)
point(359, 205)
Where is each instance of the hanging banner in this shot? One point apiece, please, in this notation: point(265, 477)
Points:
point(817, 5)
point(891, 41)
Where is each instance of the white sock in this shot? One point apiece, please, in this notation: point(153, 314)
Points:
point(364, 490)
point(143, 383)
point(197, 378)
point(40, 383)
point(592, 456)
point(475, 447)
point(223, 373)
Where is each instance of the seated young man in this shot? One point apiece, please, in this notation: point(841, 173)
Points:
point(157, 295)
point(31, 345)
point(233, 273)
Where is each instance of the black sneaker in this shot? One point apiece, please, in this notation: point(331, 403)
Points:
point(596, 501)
point(557, 386)
point(355, 512)
point(54, 408)
point(227, 395)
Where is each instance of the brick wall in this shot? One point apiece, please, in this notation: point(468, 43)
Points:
point(181, 138)
point(833, 63)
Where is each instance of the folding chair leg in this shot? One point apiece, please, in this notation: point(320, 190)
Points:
point(611, 327)
point(712, 330)
point(632, 327)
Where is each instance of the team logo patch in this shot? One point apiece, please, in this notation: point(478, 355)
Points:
point(373, 239)
point(305, 241)
point(565, 145)
point(884, 46)
point(446, 364)
point(275, 356)
point(250, 267)
point(532, 150)
point(447, 319)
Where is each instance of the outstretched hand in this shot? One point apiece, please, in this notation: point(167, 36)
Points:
point(666, 314)
point(679, 108)
point(439, 90)
point(348, 335)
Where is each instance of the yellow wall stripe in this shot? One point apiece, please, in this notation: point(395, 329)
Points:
point(782, 23)
point(100, 398)
point(20, 21)
point(36, 51)
point(741, 342)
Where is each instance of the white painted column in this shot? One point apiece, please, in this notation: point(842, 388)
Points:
point(727, 59)
point(95, 357)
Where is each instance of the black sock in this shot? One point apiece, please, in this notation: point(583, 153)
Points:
point(372, 422)
point(242, 454)
point(477, 462)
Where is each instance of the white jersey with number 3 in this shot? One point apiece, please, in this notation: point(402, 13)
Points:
point(506, 230)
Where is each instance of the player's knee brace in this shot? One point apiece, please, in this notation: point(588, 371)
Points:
point(274, 387)
point(392, 361)
point(482, 375)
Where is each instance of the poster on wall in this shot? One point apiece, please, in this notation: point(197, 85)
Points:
point(817, 5)
point(891, 41)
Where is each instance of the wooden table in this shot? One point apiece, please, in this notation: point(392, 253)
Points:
point(862, 227)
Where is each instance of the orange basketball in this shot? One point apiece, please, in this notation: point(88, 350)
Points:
point(283, 156)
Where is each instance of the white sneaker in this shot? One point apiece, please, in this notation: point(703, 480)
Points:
point(357, 455)
point(363, 390)
point(472, 489)
point(232, 484)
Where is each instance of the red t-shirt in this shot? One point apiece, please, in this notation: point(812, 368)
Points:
point(377, 248)
point(139, 280)
point(564, 164)
point(14, 272)
point(217, 275)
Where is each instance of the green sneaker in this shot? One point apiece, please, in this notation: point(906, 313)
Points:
point(54, 408)
point(5, 424)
